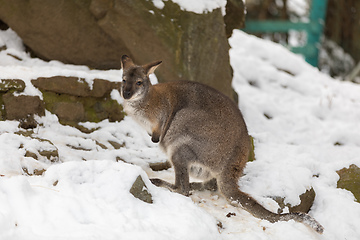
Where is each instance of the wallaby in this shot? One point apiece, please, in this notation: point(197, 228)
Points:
point(197, 127)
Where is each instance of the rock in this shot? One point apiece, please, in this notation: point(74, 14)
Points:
point(69, 111)
point(52, 155)
point(116, 145)
point(350, 180)
point(160, 166)
point(306, 201)
point(75, 86)
point(37, 172)
point(45, 147)
point(96, 33)
point(102, 88)
point(21, 107)
point(12, 84)
point(70, 98)
point(28, 123)
point(139, 190)
point(31, 154)
point(72, 109)
point(63, 30)
point(100, 145)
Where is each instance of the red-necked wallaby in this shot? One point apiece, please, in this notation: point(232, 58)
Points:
point(197, 127)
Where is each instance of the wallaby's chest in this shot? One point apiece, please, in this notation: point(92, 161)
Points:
point(140, 115)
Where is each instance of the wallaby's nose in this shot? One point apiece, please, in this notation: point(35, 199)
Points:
point(127, 94)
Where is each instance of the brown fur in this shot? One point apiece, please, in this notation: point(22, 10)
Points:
point(196, 126)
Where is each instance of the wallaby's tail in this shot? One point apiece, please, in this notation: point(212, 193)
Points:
point(229, 188)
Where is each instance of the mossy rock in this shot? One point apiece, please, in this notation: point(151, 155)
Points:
point(74, 109)
point(160, 166)
point(350, 180)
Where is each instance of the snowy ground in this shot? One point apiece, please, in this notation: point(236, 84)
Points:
point(305, 126)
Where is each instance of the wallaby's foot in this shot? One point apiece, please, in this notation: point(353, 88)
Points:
point(210, 185)
point(161, 183)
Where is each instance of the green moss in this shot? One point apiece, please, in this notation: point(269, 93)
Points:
point(96, 109)
point(350, 180)
point(2, 108)
point(252, 150)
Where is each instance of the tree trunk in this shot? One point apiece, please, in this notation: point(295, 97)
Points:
point(343, 25)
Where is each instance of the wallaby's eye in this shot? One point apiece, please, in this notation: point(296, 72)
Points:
point(139, 83)
point(124, 81)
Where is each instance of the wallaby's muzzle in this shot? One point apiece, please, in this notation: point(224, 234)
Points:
point(127, 94)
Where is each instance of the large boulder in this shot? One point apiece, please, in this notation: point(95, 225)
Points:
point(63, 30)
point(97, 32)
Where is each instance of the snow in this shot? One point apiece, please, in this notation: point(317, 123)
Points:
point(57, 205)
point(198, 6)
point(297, 115)
point(299, 7)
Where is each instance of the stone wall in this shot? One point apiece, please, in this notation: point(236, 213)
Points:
point(70, 98)
point(97, 33)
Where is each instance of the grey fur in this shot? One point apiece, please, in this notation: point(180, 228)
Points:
point(196, 126)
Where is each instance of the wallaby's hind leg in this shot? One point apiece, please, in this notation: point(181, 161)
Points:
point(180, 159)
point(161, 183)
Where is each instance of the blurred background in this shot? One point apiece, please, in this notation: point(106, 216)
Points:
point(339, 43)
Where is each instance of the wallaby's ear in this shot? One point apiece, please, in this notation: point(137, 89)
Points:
point(150, 68)
point(126, 62)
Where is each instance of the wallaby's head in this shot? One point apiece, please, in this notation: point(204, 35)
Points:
point(136, 82)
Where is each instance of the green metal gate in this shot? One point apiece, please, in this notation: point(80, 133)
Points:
point(314, 29)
